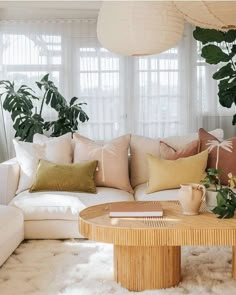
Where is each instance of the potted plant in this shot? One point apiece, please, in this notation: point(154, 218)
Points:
point(219, 48)
point(220, 200)
point(27, 118)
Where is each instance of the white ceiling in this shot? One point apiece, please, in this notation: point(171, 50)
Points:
point(48, 9)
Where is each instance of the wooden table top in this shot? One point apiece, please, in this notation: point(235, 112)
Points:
point(172, 229)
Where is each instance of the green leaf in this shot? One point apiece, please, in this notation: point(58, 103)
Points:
point(221, 201)
point(234, 119)
point(230, 36)
point(224, 72)
point(208, 35)
point(73, 100)
point(214, 54)
point(227, 97)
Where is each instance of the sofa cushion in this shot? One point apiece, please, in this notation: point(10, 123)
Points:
point(169, 174)
point(67, 177)
point(64, 205)
point(140, 146)
point(112, 160)
point(166, 195)
point(57, 149)
point(222, 154)
point(170, 153)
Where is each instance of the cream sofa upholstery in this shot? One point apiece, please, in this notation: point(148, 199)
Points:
point(11, 230)
point(54, 215)
point(166, 195)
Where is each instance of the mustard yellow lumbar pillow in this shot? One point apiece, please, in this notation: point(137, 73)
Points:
point(169, 174)
point(67, 177)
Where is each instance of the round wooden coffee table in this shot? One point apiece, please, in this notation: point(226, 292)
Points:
point(147, 251)
point(140, 262)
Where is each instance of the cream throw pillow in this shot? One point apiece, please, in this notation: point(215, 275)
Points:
point(112, 160)
point(28, 155)
point(53, 149)
point(169, 174)
point(57, 149)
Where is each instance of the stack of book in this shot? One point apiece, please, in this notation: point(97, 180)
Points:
point(136, 209)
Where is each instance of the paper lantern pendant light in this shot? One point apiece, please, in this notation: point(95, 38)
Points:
point(139, 28)
point(219, 15)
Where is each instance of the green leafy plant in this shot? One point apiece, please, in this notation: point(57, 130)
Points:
point(225, 197)
point(220, 48)
point(27, 120)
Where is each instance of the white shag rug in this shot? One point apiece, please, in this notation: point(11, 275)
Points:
point(81, 267)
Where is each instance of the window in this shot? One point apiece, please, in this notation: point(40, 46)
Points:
point(171, 93)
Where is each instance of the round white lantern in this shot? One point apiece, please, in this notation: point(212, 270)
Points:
point(219, 15)
point(139, 28)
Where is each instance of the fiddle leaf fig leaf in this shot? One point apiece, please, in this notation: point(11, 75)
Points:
point(214, 54)
point(234, 119)
point(227, 97)
point(230, 36)
point(224, 72)
point(208, 35)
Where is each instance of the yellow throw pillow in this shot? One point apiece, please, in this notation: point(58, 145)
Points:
point(67, 177)
point(169, 174)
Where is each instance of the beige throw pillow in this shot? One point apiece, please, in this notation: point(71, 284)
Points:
point(169, 174)
point(112, 160)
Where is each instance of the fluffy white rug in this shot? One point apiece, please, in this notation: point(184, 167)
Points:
point(85, 268)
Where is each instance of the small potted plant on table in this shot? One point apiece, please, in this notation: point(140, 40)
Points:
point(220, 200)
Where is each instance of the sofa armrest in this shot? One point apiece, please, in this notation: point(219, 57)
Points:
point(9, 178)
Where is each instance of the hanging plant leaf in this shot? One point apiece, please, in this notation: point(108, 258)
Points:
point(207, 35)
point(214, 54)
point(224, 72)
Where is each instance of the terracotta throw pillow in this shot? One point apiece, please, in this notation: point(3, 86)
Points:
point(222, 155)
point(169, 153)
point(112, 160)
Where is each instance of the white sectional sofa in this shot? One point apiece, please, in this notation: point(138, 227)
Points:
point(12, 230)
point(54, 215)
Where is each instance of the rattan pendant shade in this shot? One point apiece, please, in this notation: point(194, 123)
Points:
point(220, 15)
point(139, 28)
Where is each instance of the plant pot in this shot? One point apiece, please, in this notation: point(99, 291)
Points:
point(211, 201)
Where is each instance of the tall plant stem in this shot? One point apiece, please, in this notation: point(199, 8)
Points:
point(42, 104)
point(4, 129)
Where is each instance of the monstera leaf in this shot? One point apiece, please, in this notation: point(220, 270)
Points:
point(52, 96)
point(26, 126)
point(20, 104)
point(67, 118)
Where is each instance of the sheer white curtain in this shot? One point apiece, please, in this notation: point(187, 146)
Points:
point(78, 65)
point(166, 94)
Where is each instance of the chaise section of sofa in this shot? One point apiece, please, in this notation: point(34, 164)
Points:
point(54, 215)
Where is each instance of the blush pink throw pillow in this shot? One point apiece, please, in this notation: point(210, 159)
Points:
point(112, 160)
point(169, 153)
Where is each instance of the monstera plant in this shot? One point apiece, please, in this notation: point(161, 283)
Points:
point(28, 120)
point(219, 48)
